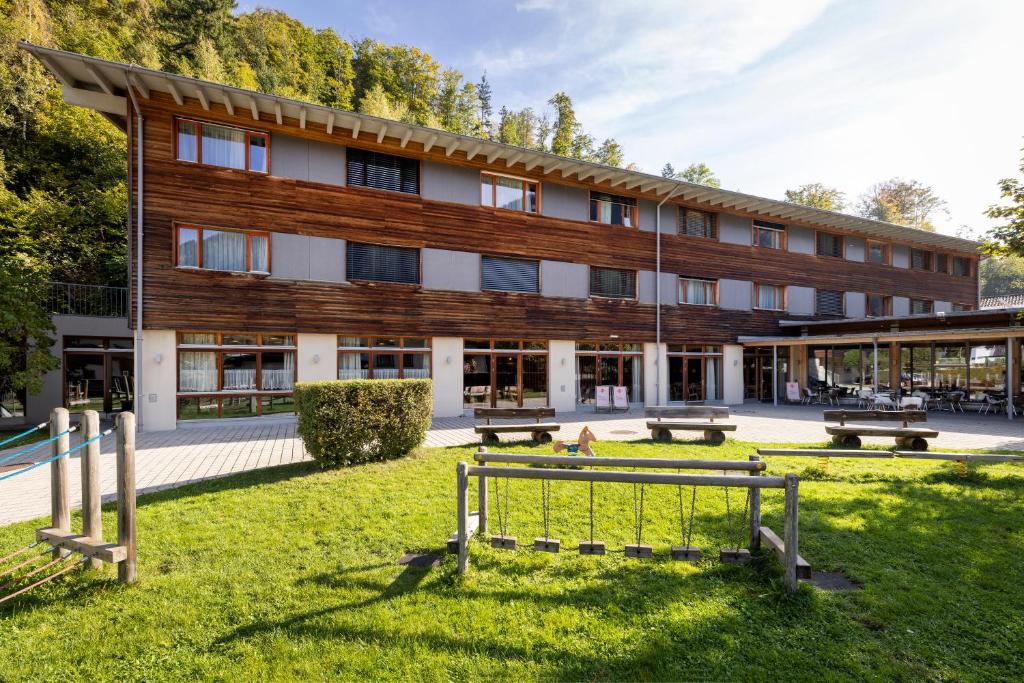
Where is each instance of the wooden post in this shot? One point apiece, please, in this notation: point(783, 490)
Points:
point(126, 494)
point(755, 513)
point(482, 495)
point(462, 490)
point(792, 523)
point(60, 504)
point(92, 520)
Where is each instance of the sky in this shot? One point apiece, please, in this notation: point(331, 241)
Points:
point(771, 94)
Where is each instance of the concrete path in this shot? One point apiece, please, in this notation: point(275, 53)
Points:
point(203, 451)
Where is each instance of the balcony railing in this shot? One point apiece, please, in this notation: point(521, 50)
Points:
point(66, 298)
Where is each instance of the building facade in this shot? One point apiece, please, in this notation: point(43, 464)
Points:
point(283, 241)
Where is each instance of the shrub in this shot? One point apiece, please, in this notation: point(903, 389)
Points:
point(345, 422)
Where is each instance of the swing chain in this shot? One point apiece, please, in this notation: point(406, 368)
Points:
point(545, 495)
point(591, 512)
point(502, 518)
point(638, 513)
point(743, 519)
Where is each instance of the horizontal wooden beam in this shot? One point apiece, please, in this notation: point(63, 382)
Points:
point(90, 547)
point(109, 104)
point(824, 453)
point(775, 544)
point(653, 463)
point(965, 457)
point(737, 480)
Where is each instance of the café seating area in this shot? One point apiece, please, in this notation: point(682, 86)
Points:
point(953, 400)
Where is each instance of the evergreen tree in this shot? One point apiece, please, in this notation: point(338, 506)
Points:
point(483, 92)
point(610, 153)
point(565, 128)
point(187, 23)
point(668, 171)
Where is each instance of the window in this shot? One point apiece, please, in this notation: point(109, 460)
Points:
point(920, 259)
point(828, 302)
point(504, 373)
point(234, 375)
point(207, 143)
point(694, 372)
point(920, 306)
point(830, 245)
point(878, 306)
point(383, 263)
point(769, 235)
point(697, 291)
point(234, 251)
point(383, 357)
point(612, 209)
point(603, 364)
point(961, 266)
point(510, 274)
point(941, 263)
point(769, 297)
point(504, 192)
point(383, 171)
point(878, 253)
point(613, 282)
point(959, 308)
point(696, 223)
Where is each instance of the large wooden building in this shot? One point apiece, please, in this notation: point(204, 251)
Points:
point(276, 241)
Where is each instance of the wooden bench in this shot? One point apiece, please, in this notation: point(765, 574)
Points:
point(539, 431)
point(848, 436)
point(667, 419)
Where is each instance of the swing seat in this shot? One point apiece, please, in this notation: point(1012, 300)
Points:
point(592, 548)
point(734, 556)
point(639, 550)
point(547, 545)
point(685, 553)
point(503, 542)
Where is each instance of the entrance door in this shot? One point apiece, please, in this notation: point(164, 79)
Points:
point(120, 384)
point(694, 379)
point(506, 377)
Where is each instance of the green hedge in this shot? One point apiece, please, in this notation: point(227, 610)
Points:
point(345, 422)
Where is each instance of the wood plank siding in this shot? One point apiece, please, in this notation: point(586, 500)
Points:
point(183, 192)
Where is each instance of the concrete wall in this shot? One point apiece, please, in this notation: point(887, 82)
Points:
point(448, 183)
point(562, 375)
point(457, 271)
point(856, 305)
point(735, 229)
point(159, 386)
point(565, 201)
point(562, 279)
point(647, 292)
point(655, 369)
point(900, 305)
point(316, 357)
point(800, 300)
point(301, 257)
point(735, 295)
point(855, 247)
point(446, 372)
point(669, 213)
point(900, 256)
point(800, 240)
point(301, 159)
point(732, 374)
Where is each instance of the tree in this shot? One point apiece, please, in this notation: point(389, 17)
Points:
point(483, 94)
point(566, 128)
point(25, 325)
point(376, 103)
point(610, 153)
point(700, 174)
point(903, 202)
point(818, 196)
point(185, 24)
point(668, 171)
point(1008, 239)
point(1002, 275)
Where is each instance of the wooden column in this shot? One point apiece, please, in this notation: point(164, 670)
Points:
point(60, 504)
point(92, 520)
point(895, 368)
point(482, 495)
point(755, 512)
point(126, 494)
point(462, 492)
point(792, 522)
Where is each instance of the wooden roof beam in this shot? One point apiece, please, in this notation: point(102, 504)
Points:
point(330, 123)
point(203, 99)
point(473, 151)
point(533, 162)
point(511, 161)
point(278, 116)
point(406, 138)
point(429, 144)
point(302, 117)
point(62, 75)
point(355, 128)
point(175, 93)
point(228, 104)
point(493, 154)
point(254, 108)
point(451, 148)
point(381, 133)
point(101, 80)
point(139, 84)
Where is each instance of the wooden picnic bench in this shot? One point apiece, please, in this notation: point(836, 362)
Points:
point(669, 419)
point(848, 436)
point(539, 431)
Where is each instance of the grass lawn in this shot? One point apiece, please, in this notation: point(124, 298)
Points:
point(291, 573)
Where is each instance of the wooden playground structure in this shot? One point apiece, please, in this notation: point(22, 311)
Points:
point(59, 541)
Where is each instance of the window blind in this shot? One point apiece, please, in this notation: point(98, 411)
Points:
point(829, 245)
point(383, 171)
point(829, 302)
point(612, 282)
point(510, 274)
point(383, 263)
point(696, 223)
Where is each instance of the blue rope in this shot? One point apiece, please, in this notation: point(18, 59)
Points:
point(36, 446)
point(59, 455)
point(24, 433)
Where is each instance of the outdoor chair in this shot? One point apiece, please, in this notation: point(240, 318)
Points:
point(912, 403)
point(865, 398)
point(993, 403)
point(955, 401)
point(881, 402)
point(620, 399)
point(602, 399)
point(810, 396)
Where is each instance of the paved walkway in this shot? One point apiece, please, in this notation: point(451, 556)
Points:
point(203, 451)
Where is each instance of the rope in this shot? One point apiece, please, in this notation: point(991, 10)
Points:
point(37, 446)
point(638, 513)
point(19, 552)
point(24, 433)
point(686, 534)
point(502, 518)
point(46, 579)
point(591, 512)
point(59, 455)
point(15, 568)
point(743, 519)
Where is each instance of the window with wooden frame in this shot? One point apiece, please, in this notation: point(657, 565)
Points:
point(878, 253)
point(222, 249)
point(829, 302)
point(382, 263)
point(921, 306)
point(769, 235)
point(224, 146)
point(509, 192)
point(961, 266)
point(942, 263)
point(959, 308)
point(877, 305)
point(920, 259)
point(698, 291)
point(498, 274)
point(829, 245)
point(383, 357)
point(694, 223)
point(612, 283)
point(613, 209)
point(382, 171)
point(769, 297)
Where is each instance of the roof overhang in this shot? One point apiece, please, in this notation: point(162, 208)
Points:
point(104, 86)
point(994, 333)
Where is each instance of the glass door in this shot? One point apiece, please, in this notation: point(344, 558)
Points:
point(506, 375)
point(476, 381)
point(586, 378)
point(121, 384)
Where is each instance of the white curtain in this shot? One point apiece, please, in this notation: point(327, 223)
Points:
point(239, 379)
point(510, 193)
point(767, 297)
point(698, 292)
point(223, 146)
point(350, 366)
point(223, 250)
point(279, 379)
point(711, 380)
point(197, 371)
point(636, 390)
point(259, 253)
